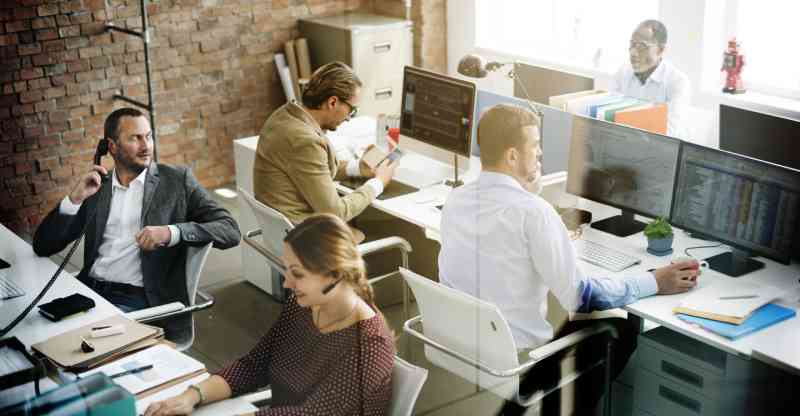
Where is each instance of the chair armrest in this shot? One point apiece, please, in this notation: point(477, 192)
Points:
point(157, 313)
point(536, 355)
point(259, 398)
point(571, 340)
point(272, 259)
point(384, 244)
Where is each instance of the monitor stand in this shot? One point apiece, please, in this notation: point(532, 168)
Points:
point(621, 225)
point(455, 182)
point(734, 263)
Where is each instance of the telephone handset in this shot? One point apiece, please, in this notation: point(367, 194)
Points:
point(102, 150)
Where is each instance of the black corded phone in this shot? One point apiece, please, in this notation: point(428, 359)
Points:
point(102, 150)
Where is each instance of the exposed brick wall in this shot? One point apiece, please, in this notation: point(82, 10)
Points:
point(213, 76)
point(430, 29)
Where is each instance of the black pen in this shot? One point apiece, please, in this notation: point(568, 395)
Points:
point(133, 371)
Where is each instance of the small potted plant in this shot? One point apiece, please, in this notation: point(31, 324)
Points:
point(659, 237)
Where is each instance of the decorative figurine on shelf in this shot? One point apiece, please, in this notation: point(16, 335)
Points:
point(732, 63)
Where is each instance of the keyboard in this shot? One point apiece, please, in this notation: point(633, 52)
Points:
point(605, 257)
point(9, 289)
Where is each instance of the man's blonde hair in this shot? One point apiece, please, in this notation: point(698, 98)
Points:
point(502, 127)
point(334, 79)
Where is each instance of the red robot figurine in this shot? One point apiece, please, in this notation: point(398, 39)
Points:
point(732, 63)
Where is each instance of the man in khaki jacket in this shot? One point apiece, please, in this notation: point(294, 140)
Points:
point(295, 162)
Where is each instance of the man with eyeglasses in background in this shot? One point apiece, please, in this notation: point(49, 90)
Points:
point(296, 164)
point(652, 78)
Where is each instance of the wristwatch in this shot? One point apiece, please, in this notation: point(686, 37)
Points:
point(196, 388)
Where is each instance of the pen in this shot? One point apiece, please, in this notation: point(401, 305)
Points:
point(132, 371)
point(101, 327)
point(738, 297)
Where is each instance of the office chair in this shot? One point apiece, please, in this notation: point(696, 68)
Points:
point(471, 338)
point(274, 226)
point(195, 261)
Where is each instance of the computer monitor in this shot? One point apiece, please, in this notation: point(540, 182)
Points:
point(760, 136)
point(542, 83)
point(624, 167)
point(749, 204)
point(555, 132)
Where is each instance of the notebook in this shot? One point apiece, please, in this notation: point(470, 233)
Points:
point(765, 316)
point(709, 302)
point(64, 350)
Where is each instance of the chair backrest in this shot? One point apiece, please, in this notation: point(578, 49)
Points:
point(273, 224)
point(195, 261)
point(469, 326)
point(407, 381)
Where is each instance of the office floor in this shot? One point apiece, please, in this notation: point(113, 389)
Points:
point(243, 313)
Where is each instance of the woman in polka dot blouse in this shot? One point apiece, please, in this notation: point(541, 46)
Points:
point(329, 353)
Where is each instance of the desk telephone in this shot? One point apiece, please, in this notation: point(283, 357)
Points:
point(102, 150)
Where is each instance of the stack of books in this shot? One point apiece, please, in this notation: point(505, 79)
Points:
point(615, 108)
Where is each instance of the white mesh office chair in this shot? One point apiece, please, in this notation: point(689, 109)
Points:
point(274, 226)
point(195, 261)
point(407, 382)
point(471, 338)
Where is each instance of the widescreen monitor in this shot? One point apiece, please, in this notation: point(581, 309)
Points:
point(761, 136)
point(437, 110)
point(624, 167)
point(749, 204)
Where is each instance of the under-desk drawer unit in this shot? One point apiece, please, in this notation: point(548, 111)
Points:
point(660, 396)
point(376, 47)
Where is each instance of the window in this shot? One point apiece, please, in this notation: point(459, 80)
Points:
point(766, 34)
point(581, 33)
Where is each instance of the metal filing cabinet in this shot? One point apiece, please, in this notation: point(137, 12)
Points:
point(677, 375)
point(376, 47)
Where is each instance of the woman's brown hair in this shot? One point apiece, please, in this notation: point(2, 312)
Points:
point(334, 79)
point(325, 245)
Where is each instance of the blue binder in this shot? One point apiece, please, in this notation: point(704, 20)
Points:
point(762, 317)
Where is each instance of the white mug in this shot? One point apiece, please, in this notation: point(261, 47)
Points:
point(679, 259)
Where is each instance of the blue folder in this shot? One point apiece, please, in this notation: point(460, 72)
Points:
point(763, 317)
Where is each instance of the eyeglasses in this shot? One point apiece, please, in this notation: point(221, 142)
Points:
point(640, 45)
point(353, 109)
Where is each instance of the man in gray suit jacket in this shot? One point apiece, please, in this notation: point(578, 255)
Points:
point(139, 221)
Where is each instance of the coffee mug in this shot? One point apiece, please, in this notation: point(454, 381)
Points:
point(701, 263)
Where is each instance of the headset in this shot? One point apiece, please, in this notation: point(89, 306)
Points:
point(102, 150)
point(330, 287)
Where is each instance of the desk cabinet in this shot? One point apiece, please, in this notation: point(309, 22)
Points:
point(376, 47)
point(677, 375)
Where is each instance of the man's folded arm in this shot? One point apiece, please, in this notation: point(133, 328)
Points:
point(60, 227)
point(208, 222)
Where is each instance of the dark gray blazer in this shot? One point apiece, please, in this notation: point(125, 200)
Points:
point(173, 196)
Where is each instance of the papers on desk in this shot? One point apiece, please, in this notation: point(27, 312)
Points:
point(763, 317)
point(168, 365)
point(732, 302)
point(234, 406)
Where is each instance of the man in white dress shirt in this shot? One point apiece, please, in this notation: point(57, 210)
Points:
point(503, 243)
point(138, 222)
point(648, 76)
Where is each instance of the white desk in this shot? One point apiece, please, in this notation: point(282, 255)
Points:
point(32, 273)
point(419, 208)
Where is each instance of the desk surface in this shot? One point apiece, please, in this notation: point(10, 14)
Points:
point(419, 208)
point(32, 273)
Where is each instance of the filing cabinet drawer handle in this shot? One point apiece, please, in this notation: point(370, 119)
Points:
point(682, 374)
point(382, 47)
point(680, 399)
point(383, 94)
